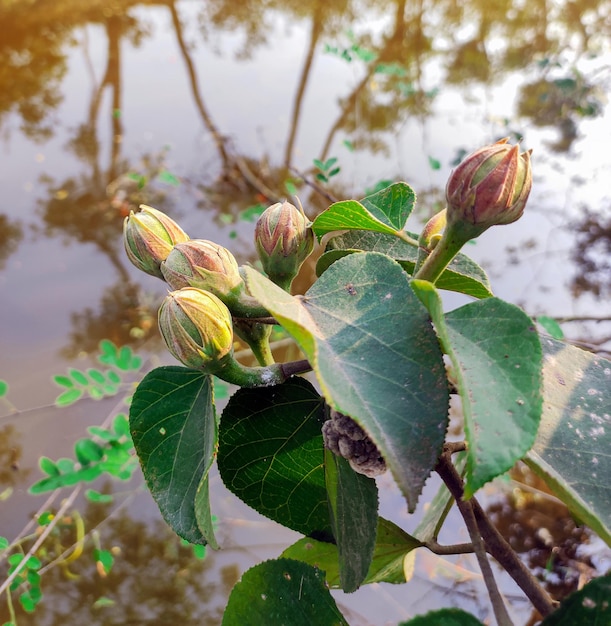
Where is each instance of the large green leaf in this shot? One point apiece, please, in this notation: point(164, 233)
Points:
point(174, 429)
point(572, 450)
point(590, 606)
point(463, 274)
point(385, 212)
point(497, 361)
point(376, 356)
point(391, 545)
point(271, 454)
point(285, 592)
point(353, 502)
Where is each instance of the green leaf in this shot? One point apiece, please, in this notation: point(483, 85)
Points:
point(571, 452)
point(353, 502)
point(497, 360)
point(88, 451)
point(444, 617)
point(462, 275)
point(203, 511)
point(68, 397)
point(434, 163)
point(376, 357)
point(63, 381)
point(168, 178)
point(4, 543)
point(551, 326)
point(105, 558)
point(96, 496)
point(96, 376)
point(391, 546)
point(174, 430)
point(3, 388)
point(78, 377)
point(385, 212)
point(271, 454)
point(48, 466)
point(588, 606)
point(282, 591)
point(121, 426)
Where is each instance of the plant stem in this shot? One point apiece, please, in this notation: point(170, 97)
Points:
point(495, 542)
point(275, 374)
point(440, 257)
point(446, 470)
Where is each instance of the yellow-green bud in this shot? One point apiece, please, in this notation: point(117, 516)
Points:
point(205, 265)
point(284, 239)
point(196, 327)
point(489, 187)
point(149, 236)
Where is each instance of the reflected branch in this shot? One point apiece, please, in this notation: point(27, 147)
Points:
point(317, 28)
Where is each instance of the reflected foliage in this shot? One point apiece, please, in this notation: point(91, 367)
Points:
point(541, 528)
point(154, 579)
point(12, 234)
point(125, 315)
point(560, 102)
point(11, 451)
point(592, 253)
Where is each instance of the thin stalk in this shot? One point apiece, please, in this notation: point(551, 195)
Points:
point(445, 469)
point(495, 542)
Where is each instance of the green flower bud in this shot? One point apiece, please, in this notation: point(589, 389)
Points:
point(489, 187)
point(197, 329)
point(284, 240)
point(149, 236)
point(205, 265)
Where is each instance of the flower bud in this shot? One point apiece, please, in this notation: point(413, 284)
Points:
point(196, 327)
point(149, 235)
point(284, 240)
point(489, 187)
point(205, 265)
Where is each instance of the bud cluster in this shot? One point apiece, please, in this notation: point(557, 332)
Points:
point(208, 291)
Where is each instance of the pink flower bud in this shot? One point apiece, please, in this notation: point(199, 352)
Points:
point(202, 264)
point(490, 186)
point(284, 239)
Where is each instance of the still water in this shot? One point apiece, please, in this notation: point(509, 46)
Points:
point(211, 111)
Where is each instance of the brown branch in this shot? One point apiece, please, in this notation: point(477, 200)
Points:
point(446, 470)
point(495, 543)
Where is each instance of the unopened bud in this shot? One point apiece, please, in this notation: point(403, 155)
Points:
point(197, 328)
point(149, 236)
point(489, 187)
point(202, 264)
point(284, 240)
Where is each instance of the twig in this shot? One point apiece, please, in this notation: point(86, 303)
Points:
point(446, 470)
point(495, 542)
point(315, 186)
point(457, 548)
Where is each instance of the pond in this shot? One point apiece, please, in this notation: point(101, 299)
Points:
point(210, 112)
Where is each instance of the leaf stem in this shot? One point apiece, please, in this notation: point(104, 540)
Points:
point(405, 237)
